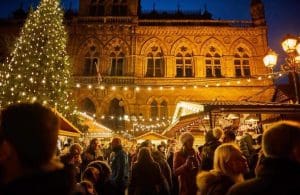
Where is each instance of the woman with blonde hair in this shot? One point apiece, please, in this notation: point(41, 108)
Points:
point(229, 167)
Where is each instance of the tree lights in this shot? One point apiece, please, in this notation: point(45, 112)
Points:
point(38, 69)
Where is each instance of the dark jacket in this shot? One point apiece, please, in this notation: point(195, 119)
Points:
point(186, 176)
point(145, 179)
point(58, 182)
point(119, 167)
point(165, 170)
point(276, 177)
point(214, 183)
point(208, 151)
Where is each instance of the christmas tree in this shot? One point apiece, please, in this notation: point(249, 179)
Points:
point(38, 69)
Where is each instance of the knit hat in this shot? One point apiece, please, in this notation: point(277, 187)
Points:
point(116, 142)
point(185, 137)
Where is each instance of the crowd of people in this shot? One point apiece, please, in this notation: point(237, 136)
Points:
point(31, 164)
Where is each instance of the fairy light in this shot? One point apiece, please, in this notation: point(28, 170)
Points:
point(38, 69)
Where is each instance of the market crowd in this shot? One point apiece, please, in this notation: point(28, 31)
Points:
point(31, 164)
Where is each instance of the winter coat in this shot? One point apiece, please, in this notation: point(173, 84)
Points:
point(164, 167)
point(207, 155)
point(246, 146)
point(145, 179)
point(186, 175)
point(59, 182)
point(276, 177)
point(213, 183)
point(119, 167)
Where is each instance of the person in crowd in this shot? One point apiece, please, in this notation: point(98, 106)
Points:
point(147, 144)
point(66, 146)
point(101, 177)
point(92, 153)
point(91, 174)
point(186, 165)
point(229, 137)
point(160, 159)
point(85, 188)
point(229, 167)
point(119, 167)
point(28, 138)
point(72, 160)
point(170, 157)
point(146, 177)
point(212, 141)
point(162, 149)
point(246, 145)
point(280, 170)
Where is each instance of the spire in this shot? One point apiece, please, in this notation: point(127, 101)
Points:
point(258, 13)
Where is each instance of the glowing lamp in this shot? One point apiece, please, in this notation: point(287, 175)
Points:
point(289, 43)
point(270, 60)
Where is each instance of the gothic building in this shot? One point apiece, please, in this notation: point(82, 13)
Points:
point(132, 67)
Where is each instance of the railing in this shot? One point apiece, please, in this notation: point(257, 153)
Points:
point(118, 80)
point(105, 19)
point(86, 79)
point(162, 22)
point(108, 80)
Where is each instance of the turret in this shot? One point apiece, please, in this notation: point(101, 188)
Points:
point(258, 13)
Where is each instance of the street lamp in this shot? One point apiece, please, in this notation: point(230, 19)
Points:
point(291, 45)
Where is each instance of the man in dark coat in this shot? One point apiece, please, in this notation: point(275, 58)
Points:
point(28, 137)
point(280, 171)
point(119, 167)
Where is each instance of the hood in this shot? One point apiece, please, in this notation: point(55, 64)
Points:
point(213, 182)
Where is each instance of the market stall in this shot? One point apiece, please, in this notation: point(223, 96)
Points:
point(204, 115)
point(153, 136)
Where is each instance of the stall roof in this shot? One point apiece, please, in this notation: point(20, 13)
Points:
point(67, 128)
point(152, 136)
point(95, 129)
point(248, 107)
point(189, 123)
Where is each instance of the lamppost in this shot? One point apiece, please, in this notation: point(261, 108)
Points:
point(291, 46)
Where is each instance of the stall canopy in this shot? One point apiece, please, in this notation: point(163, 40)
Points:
point(191, 123)
point(153, 136)
point(192, 113)
point(67, 128)
point(95, 129)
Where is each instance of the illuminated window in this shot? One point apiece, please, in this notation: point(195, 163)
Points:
point(154, 110)
point(91, 62)
point(155, 65)
point(117, 64)
point(164, 110)
point(184, 65)
point(242, 63)
point(213, 63)
point(97, 8)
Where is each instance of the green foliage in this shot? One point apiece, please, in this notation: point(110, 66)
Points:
point(38, 69)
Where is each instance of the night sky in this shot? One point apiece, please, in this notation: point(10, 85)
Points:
point(283, 16)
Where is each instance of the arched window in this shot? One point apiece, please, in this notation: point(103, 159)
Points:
point(154, 109)
point(88, 106)
point(91, 62)
point(213, 63)
point(119, 8)
point(242, 63)
point(155, 65)
point(164, 110)
point(116, 113)
point(184, 65)
point(117, 64)
point(97, 8)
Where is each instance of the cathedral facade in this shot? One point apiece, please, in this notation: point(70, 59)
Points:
point(132, 68)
